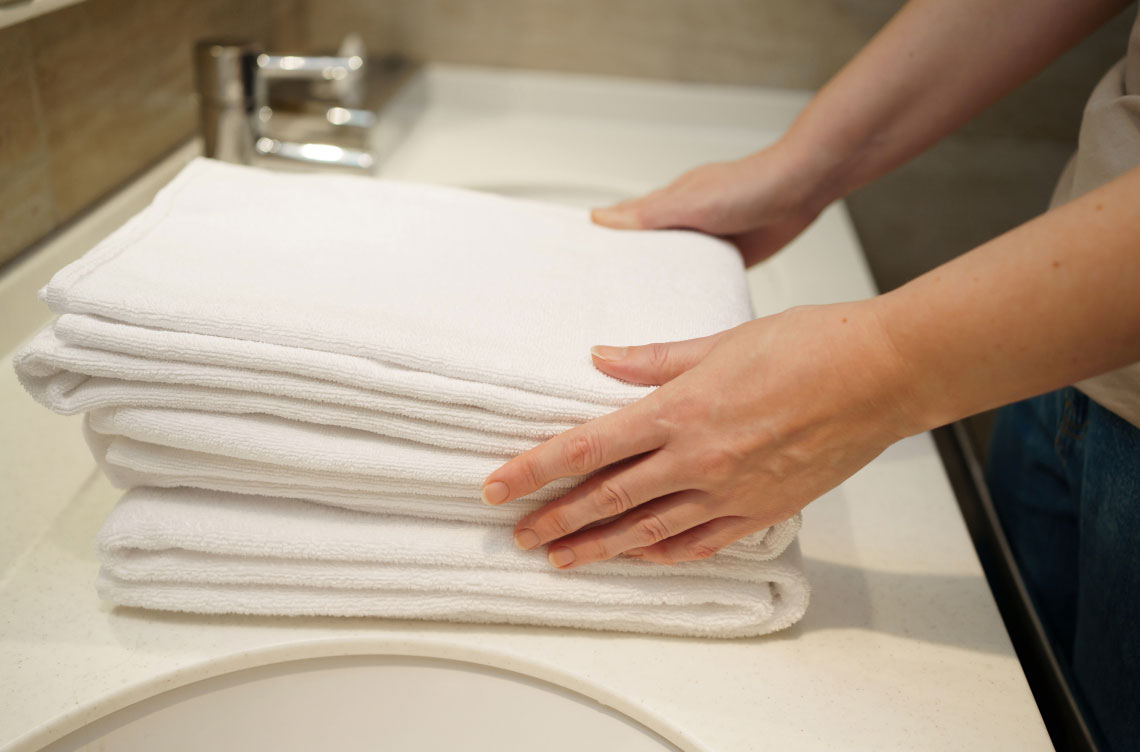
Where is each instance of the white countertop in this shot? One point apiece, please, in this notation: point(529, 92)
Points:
point(902, 647)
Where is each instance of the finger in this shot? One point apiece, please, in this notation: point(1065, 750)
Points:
point(623, 216)
point(609, 494)
point(652, 364)
point(698, 542)
point(646, 525)
point(626, 215)
point(611, 438)
point(664, 207)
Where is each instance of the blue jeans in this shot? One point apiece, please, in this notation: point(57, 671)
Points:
point(1064, 473)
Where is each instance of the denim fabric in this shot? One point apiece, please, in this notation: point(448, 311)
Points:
point(1064, 473)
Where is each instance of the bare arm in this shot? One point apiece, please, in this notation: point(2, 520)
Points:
point(933, 67)
point(1047, 304)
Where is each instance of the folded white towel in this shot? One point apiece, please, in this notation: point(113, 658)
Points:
point(189, 550)
point(72, 378)
point(312, 449)
point(130, 463)
point(379, 317)
point(422, 286)
point(92, 342)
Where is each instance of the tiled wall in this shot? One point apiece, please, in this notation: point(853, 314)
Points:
point(790, 43)
point(90, 95)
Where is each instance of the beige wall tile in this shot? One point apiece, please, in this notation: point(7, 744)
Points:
point(116, 84)
point(783, 43)
point(952, 199)
point(22, 141)
point(288, 25)
point(326, 23)
point(786, 43)
point(26, 210)
point(115, 92)
point(92, 94)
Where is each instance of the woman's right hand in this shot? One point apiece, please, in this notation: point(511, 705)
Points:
point(759, 203)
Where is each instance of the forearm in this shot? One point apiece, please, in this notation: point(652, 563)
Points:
point(1043, 306)
point(932, 68)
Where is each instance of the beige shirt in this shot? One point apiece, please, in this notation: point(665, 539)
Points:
point(1108, 146)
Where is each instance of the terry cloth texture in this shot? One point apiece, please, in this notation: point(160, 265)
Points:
point(260, 348)
point(190, 550)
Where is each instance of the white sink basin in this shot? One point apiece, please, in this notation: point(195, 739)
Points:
point(366, 703)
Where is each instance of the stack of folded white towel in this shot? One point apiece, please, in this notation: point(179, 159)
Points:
point(303, 381)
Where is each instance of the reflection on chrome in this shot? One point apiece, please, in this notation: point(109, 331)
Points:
point(351, 117)
point(238, 123)
point(327, 154)
point(321, 152)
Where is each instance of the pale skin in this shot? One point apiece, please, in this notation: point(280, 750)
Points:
point(752, 424)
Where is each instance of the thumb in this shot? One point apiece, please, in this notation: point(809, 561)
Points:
point(652, 364)
point(644, 213)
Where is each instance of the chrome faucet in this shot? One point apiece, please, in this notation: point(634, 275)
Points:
point(238, 122)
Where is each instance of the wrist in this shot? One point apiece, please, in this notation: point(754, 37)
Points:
point(923, 400)
point(819, 171)
point(872, 381)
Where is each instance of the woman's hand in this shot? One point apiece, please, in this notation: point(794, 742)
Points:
point(760, 202)
point(748, 427)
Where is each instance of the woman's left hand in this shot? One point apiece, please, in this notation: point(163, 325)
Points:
point(747, 427)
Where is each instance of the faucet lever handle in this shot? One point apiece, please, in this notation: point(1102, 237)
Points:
point(316, 67)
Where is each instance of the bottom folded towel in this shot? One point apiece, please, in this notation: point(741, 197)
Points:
point(210, 552)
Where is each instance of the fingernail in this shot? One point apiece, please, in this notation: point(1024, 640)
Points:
point(613, 217)
point(633, 554)
point(560, 556)
point(495, 493)
point(526, 539)
point(605, 352)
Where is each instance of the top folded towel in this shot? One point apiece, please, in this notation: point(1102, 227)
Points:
point(426, 281)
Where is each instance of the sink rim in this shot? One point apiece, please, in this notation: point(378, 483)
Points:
point(298, 668)
point(288, 651)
